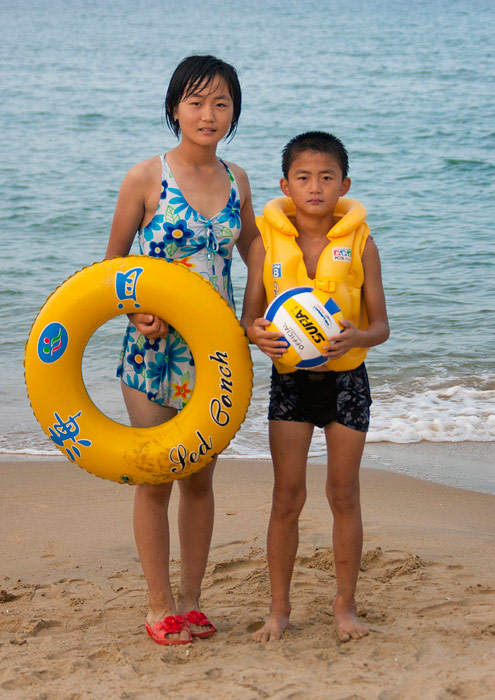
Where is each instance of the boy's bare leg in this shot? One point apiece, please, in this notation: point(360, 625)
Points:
point(345, 449)
point(289, 445)
point(151, 528)
point(196, 512)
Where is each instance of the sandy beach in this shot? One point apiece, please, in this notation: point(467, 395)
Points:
point(73, 598)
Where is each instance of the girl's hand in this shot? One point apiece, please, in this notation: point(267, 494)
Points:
point(268, 342)
point(150, 326)
point(343, 342)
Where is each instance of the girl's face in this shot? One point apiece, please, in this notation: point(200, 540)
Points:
point(205, 116)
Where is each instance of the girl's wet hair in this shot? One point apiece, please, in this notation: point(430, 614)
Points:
point(319, 141)
point(199, 72)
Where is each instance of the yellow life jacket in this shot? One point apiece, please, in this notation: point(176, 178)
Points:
point(339, 272)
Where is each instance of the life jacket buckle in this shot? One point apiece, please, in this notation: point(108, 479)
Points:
point(324, 285)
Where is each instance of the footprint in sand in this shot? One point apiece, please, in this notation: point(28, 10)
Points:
point(6, 597)
point(440, 609)
point(36, 627)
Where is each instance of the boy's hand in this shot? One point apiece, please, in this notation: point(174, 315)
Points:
point(343, 342)
point(268, 342)
point(150, 326)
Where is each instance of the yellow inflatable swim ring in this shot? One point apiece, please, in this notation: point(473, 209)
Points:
point(95, 442)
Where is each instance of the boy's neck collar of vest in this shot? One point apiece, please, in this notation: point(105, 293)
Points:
point(348, 212)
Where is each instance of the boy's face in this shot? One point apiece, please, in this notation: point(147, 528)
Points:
point(315, 183)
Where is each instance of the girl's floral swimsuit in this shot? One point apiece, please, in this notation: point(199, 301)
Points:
point(164, 368)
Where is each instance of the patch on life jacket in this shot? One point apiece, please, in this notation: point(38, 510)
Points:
point(342, 254)
point(277, 270)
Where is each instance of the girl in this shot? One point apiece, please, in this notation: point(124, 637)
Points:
point(189, 206)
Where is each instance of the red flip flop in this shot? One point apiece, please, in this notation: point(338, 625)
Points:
point(195, 617)
point(173, 624)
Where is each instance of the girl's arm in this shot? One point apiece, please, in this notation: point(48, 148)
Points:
point(249, 230)
point(137, 202)
point(374, 297)
point(254, 304)
point(131, 211)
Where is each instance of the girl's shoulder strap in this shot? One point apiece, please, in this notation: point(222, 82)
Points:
point(230, 174)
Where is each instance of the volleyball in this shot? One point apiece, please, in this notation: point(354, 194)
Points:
point(304, 317)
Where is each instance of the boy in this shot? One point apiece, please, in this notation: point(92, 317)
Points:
point(313, 237)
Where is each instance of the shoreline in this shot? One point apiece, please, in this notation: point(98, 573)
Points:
point(466, 465)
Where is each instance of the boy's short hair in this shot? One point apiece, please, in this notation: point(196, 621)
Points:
point(200, 71)
point(318, 141)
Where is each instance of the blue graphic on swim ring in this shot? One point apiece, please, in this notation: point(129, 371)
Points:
point(52, 343)
point(64, 430)
point(125, 285)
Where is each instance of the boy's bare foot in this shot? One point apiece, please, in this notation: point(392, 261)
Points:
point(347, 622)
point(273, 628)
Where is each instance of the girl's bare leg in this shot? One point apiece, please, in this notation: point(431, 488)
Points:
point(289, 445)
point(196, 512)
point(345, 449)
point(151, 528)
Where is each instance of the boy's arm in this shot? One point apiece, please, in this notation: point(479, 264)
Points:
point(255, 303)
point(374, 297)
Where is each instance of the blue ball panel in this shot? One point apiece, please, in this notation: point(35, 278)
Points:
point(331, 306)
point(315, 362)
point(277, 303)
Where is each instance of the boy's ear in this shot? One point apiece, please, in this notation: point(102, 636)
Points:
point(346, 185)
point(284, 186)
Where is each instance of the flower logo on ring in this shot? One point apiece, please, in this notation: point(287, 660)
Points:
point(53, 342)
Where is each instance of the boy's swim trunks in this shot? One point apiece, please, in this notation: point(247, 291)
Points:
point(322, 397)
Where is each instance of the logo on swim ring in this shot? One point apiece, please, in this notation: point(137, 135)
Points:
point(125, 285)
point(63, 431)
point(52, 342)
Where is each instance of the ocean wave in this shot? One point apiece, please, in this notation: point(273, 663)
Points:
point(30, 452)
point(444, 414)
point(449, 414)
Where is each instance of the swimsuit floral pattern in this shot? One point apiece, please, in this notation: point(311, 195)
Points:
point(164, 368)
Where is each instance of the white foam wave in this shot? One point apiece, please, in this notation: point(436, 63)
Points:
point(31, 452)
point(449, 414)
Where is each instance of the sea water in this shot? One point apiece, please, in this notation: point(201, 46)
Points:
point(408, 88)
